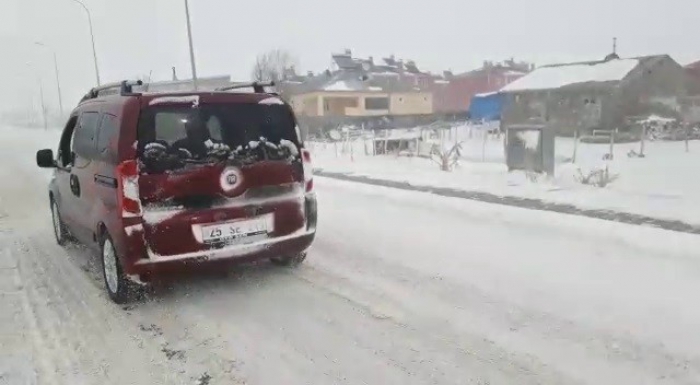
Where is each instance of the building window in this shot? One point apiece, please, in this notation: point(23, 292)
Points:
point(377, 103)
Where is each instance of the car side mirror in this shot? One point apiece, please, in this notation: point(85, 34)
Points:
point(44, 159)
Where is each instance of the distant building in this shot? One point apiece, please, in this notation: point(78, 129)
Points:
point(394, 87)
point(693, 71)
point(597, 94)
point(690, 106)
point(456, 93)
point(360, 88)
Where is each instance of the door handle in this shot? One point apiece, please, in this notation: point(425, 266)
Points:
point(74, 185)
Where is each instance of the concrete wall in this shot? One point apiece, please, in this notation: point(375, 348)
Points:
point(413, 103)
point(657, 86)
point(566, 110)
point(336, 105)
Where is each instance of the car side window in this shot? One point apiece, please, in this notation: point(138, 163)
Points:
point(85, 135)
point(106, 134)
point(65, 155)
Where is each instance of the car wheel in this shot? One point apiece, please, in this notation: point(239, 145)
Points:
point(59, 229)
point(291, 260)
point(116, 283)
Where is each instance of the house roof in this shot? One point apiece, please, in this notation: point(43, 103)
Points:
point(693, 65)
point(351, 80)
point(560, 75)
point(361, 75)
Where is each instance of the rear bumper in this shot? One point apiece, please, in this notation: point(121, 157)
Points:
point(273, 247)
point(141, 259)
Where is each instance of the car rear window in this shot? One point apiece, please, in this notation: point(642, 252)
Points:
point(232, 124)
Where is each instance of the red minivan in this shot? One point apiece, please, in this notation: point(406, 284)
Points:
point(157, 181)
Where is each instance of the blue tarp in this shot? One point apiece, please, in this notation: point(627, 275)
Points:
point(486, 107)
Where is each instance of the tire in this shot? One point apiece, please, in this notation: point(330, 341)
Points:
point(116, 283)
point(292, 260)
point(59, 228)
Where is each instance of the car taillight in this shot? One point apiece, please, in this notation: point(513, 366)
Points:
point(128, 189)
point(308, 169)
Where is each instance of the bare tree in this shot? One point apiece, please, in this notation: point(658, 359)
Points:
point(272, 65)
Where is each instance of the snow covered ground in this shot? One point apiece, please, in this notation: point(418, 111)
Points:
point(399, 288)
point(662, 185)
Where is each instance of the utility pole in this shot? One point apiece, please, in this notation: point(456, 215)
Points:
point(43, 105)
point(92, 36)
point(189, 37)
point(58, 81)
point(41, 96)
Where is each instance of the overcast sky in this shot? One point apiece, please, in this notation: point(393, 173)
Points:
point(135, 37)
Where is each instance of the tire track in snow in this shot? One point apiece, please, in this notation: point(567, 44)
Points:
point(52, 349)
point(321, 329)
point(91, 335)
point(404, 294)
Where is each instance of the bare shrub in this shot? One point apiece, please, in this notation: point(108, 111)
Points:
point(600, 177)
point(447, 158)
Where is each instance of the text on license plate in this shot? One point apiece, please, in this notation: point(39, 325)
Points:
point(246, 229)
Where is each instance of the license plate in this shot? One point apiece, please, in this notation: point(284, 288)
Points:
point(240, 231)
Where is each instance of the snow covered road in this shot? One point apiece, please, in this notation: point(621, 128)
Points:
point(400, 288)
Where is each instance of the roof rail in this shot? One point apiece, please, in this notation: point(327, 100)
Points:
point(258, 87)
point(125, 88)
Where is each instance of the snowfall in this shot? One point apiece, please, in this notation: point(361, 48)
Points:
point(400, 287)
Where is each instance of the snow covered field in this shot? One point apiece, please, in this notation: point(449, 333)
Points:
point(399, 288)
point(662, 185)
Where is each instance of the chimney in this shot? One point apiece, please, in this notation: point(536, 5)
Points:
point(174, 74)
point(348, 52)
point(371, 59)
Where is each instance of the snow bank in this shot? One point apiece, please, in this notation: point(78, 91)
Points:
point(662, 185)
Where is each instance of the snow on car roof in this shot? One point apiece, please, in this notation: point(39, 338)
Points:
point(544, 78)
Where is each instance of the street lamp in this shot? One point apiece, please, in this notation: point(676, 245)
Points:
point(92, 36)
point(58, 81)
point(189, 36)
point(41, 95)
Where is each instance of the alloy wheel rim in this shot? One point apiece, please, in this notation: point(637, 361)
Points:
point(56, 221)
point(109, 261)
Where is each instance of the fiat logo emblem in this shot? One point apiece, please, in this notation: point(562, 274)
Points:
point(230, 179)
